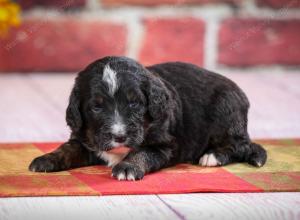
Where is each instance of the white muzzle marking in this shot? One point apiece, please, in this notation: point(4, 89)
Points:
point(118, 127)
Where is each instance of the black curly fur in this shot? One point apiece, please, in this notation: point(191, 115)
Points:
point(180, 112)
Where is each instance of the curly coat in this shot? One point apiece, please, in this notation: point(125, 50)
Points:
point(167, 114)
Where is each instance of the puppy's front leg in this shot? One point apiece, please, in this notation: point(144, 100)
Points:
point(137, 163)
point(69, 155)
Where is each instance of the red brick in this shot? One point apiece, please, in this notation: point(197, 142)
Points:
point(110, 3)
point(173, 40)
point(279, 4)
point(60, 44)
point(59, 4)
point(247, 42)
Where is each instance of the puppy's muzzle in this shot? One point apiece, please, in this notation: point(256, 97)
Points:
point(119, 138)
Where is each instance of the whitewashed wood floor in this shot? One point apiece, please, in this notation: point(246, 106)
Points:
point(32, 108)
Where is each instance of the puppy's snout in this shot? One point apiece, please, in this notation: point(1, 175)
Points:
point(118, 129)
point(118, 132)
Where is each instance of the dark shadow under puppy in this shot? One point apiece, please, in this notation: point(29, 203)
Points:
point(167, 114)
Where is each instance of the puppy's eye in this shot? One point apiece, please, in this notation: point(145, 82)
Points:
point(96, 109)
point(133, 105)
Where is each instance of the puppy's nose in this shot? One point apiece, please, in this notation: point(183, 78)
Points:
point(119, 138)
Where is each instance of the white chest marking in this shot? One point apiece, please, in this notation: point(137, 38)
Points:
point(112, 159)
point(110, 77)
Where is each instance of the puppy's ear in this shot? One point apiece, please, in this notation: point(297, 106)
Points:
point(73, 115)
point(158, 98)
point(160, 108)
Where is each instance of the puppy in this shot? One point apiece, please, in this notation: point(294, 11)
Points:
point(167, 114)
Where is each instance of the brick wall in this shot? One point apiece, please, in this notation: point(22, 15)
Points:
point(66, 35)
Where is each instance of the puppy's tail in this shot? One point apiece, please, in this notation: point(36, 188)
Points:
point(257, 155)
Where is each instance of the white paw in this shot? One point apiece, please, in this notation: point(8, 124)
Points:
point(129, 176)
point(121, 176)
point(259, 164)
point(209, 160)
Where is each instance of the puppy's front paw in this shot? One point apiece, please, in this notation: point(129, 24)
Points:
point(43, 164)
point(127, 171)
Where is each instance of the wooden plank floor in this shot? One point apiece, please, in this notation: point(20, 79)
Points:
point(33, 106)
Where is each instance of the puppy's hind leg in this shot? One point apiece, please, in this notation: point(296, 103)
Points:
point(257, 156)
point(238, 150)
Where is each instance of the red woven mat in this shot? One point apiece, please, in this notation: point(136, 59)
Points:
point(281, 173)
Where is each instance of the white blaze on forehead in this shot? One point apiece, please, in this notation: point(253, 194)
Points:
point(110, 77)
point(118, 127)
